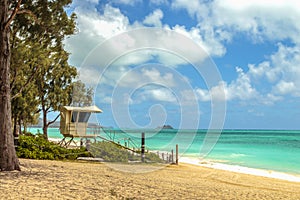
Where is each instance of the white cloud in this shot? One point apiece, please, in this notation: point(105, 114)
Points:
point(202, 94)
point(261, 21)
point(140, 46)
point(111, 76)
point(239, 89)
point(205, 38)
point(155, 76)
point(260, 70)
point(270, 99)
point(194, 8)
point(137, 57)
point(260, 4)
point(281, 70)
point(157, 94)
point(106, 100)
point(171, 59)
point(163, 95)
point(154, 19)
point(260, 18)
point(146, 81)
point(136, 78)
point(159, 2)
point(94, 28)
point(89, 76)
point(93, 24)
point(284, 87)
point(85, 5)
point(127, 2)
point(218, 22)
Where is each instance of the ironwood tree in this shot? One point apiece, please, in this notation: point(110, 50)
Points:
point(8, 157)
point(24, 64)
point(43, 33)
point(45, 23)
point(54, 87)
point(81, 95)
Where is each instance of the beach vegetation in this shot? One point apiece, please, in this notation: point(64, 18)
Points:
point(113, 153)
point(37, 147)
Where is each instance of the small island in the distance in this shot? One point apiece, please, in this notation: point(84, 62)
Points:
point(165, 127)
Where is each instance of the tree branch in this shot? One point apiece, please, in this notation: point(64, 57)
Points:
point(39, 110)
point(29, 12)
point(51, 122)
point(12, 16)
point(25, 85)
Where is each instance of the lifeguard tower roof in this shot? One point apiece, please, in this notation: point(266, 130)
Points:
point(90, 109)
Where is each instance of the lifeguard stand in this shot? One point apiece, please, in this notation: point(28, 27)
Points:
point(74, 123)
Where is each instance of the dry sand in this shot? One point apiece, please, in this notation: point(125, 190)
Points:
point(86, 180)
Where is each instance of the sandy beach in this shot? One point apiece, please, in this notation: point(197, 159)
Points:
point(42, 179)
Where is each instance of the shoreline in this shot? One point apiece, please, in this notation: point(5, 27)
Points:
point(241, 169)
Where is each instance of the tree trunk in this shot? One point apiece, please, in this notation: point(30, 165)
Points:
point(45, 124)
point(15, 130)
point(8, 157)
point(25, 128)
point(19, 126)
point(45, 131)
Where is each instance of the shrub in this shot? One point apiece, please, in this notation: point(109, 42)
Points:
point(37, 147)
point(112, 153)
point(109, 152)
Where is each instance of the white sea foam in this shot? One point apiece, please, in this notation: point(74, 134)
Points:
point(237, 155)
point(241, 169)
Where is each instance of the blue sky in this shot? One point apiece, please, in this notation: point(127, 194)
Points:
point(252, 48)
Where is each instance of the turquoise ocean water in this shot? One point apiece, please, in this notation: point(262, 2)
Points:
point(277, 150)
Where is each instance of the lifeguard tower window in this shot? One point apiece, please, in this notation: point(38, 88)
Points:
point(74, 116)
point(84, 116)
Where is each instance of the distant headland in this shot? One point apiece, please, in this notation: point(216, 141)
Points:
point(165, 127)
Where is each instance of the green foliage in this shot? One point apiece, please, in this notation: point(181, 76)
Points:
point(152, 157)
point(23, 90)
point(37, 147)
point(109, 152)
point(81, 96)
point(112, 153)
point(39, 63)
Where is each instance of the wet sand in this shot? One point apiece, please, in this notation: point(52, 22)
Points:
point(40, 179)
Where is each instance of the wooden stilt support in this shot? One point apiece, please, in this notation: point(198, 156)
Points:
point(143, 148)
point(176, 154)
